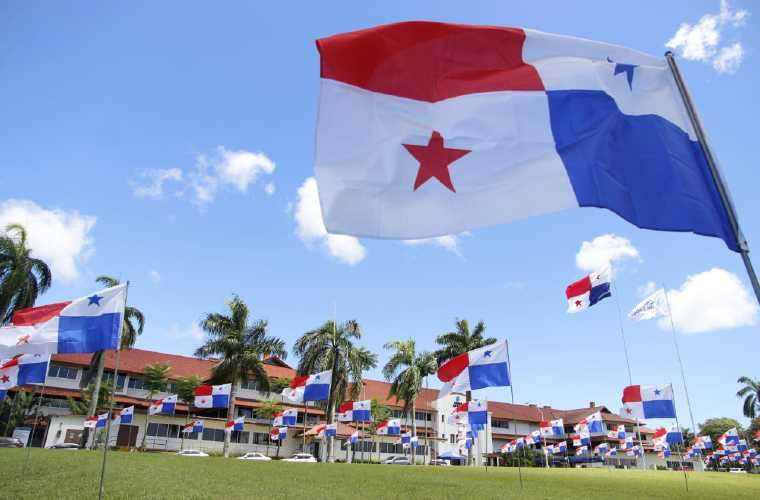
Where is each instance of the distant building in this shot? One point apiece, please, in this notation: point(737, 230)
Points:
point(436, 435)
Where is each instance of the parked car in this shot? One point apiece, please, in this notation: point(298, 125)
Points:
point(10, 442)
point(191, 453)
point(301, 457)
point(398, 460)
point(255, 456)
point(64, 446)
point(390, 459)
point(737, 470)
point(437, 461)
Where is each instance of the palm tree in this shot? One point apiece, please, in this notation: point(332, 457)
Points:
point(459, 342)
point(331, 347)
point(240, 347)
point(266, 411)
point(132, 326)
point(22, 277)
point(155, 378)
point(751, 394)
point(406, 370)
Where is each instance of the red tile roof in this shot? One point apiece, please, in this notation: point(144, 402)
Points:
point(135, 360)
point(376, 389)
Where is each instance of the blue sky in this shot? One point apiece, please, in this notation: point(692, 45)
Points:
point(99, 100)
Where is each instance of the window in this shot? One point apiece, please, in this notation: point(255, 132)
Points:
point(165, 430)
point(424, 416)
point(453, 439)
point(55, 403)
point(396, 413)
point(171, 388)
point(245, 412)
point(260, 438)
point(239, 437)
point(500, 424)
point(251, 385)
point(213, 435)
point(108, 377)
point(60, 371)
point(136, 383)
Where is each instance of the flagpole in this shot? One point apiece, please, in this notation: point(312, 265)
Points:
point(622, 332)
point(113, 396)
point(712, 163)
point(680, 362)
point(36, 415)
point(512, 395)
point(305, 414)
point(641, 444)
point(680, 455)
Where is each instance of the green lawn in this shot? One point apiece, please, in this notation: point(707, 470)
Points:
point(74, 474)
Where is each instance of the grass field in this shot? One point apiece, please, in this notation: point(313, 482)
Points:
point(75, 474)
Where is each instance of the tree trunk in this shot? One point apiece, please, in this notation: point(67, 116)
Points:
point(414, 430)
point(468, 398)
point(331, 404)
point(94, 398)
point(230, 415)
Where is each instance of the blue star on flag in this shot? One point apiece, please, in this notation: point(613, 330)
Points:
point(487, 354)
point(657, 392)
point(94, 299)
point(624, 68)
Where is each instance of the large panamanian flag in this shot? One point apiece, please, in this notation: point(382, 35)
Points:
point(427, 129)
point(477, 369)
point(87, 324)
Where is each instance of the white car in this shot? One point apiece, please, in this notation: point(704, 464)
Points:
point(255, 456)
point(737, 470)
point(301, 457)
point(191, 453)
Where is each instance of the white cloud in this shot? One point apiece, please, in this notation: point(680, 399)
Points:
point(449, 242)
point(210, 174)
point(711, 300)
point(269, 188)
point(603, 251)
point(191, 332)
point(155, 275)
point(61, 239)
point(155, 179)
point(238, 169)
point(729, 59)
point(702, 41)
point(310, 227)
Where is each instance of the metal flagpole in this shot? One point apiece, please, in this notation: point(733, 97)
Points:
point(113, 395)
point(512, 395)
point(305, 414)
point(680, 363)
point(622, 332)
point(36, 415)
point(680, 454)
point(427, 414)
point(715, 172)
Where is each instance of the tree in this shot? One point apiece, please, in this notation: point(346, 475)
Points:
point(186, 389)
point(22, 277)
point(186, 393)
point(276, 385)
point(460, 341)
point(380, 414)
point(82, 405)
point(132, 326)
point(406, 370)
point(754, 428)
point(715, 427)
point(240, 347)
point(331, 347)
point(155, 378)
point(751, 394)
point(267, 411)
point(15, 410)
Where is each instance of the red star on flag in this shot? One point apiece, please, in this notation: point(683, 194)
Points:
point(434, 160)
point(23, 340)
point(5, 378)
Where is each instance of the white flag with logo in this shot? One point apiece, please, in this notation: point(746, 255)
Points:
point(652, 307)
